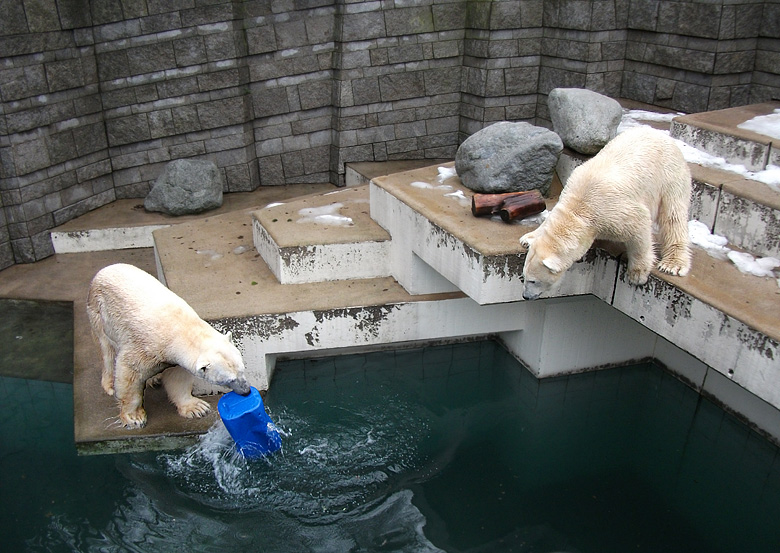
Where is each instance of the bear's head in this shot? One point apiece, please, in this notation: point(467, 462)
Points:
point(543, 268)
point(220, 363)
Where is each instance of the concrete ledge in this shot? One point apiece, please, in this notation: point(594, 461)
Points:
point(302, 249)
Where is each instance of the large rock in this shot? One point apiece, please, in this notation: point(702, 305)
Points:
point(186, 186)
point(585, 120)
point(508, 157)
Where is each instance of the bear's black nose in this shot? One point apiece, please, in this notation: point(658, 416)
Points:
point(240, 387)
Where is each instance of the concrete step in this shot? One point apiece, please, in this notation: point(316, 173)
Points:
point(322, 237)
point(745, 211)
point(720, 133)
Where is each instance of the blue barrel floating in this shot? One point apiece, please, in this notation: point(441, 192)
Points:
point(248, 424)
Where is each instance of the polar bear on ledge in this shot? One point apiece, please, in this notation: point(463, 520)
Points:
point(143, 328)
point(639, 178)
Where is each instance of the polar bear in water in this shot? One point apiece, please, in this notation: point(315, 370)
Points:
point(144, 328)
point(639, 178)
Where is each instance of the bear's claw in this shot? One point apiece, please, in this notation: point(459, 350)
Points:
point(136, 419)
point(193, 409)
point(675, 269)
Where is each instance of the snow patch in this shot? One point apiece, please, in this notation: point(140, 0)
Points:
point(768, 125)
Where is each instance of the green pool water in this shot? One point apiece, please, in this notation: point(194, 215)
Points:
point(451, 448)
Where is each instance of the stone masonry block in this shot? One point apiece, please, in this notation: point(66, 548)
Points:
point(291, 34)
point(31, 156)
point(261, 40)
point(42, 16)
point(363, 26)
point(126, 130)
point(408, 21)
point(271, 171)
point(315, 94)
point(189, 51)
point(13, 18)
point(151, 58)
point(65, 74)
point(366, 91)
point(221, 46)
point(113, 65)
point(398, 86)
point(320, 29)
point(643, 15)
point(442, 81)
point(689, 18)
point(90, 138)
point(734, 62)
point(449, 16)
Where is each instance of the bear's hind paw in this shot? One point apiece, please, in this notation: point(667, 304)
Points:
point(194, 408)
point(676, 269)
point(136, 419)
point(637, 277)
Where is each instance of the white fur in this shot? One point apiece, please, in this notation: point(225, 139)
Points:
point(639, 178)
point(143, 328)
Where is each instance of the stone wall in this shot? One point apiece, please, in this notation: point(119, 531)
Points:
point(97, 96)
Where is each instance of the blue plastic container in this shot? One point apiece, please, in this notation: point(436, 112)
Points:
point(248, 424)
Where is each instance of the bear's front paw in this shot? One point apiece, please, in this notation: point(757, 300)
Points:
point(194, 408)
point(133, 419)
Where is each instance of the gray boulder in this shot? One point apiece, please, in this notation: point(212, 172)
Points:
point(585, 120)
point(508, 157)
point(186, 186)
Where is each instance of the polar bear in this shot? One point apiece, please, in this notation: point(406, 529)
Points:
point(143, 328)
point(639, 178)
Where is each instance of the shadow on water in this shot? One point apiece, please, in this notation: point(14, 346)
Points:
point(451, 448)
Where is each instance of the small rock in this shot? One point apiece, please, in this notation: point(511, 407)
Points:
point(186, 186)
point(508, 157)
point(585, 120)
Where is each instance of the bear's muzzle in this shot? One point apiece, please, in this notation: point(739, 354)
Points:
point(240, 386)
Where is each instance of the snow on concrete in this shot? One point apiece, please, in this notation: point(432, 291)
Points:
point(715, 245)
point(768, 125)
point(325, 215)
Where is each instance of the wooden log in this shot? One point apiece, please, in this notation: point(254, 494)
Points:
point(490, 204)
point(521, 207)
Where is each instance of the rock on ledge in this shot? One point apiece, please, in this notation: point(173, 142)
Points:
point(186, 186)
point(508, 157)
point(585, 120)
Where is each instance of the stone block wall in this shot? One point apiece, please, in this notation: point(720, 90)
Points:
point(98, 96)
point(698, 56)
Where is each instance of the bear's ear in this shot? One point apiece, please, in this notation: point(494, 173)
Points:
point(229, 335)
point(553, 263)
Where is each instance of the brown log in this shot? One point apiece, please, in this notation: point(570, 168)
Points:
point(490, 204)
point(521, 207)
